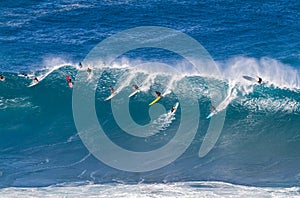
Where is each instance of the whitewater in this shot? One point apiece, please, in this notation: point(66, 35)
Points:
point(61, 142)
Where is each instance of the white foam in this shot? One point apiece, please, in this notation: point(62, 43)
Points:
point(179, 189)
point(270, 70)
point(273, 72)
point(271, 104)
point(15, 103)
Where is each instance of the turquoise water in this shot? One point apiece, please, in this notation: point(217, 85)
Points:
point(259, 143)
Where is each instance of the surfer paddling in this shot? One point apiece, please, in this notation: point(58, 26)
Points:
point(69, 81)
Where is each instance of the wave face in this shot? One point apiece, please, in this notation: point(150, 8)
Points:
point(258, 145)
point(259, 142)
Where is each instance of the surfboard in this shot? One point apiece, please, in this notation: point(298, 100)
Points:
point(133, 93)
point(33, 84)
point(69, 81)
point(159, 97)
point(166, 93)
point(90, 76)
point(249, 78)
point(173, 112)
point(155, 101)
point(111, 96)
point(211, 114)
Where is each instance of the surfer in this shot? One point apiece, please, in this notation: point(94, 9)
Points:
point(112, 91)
point(172, 109)
point(80, 65)
point(89, 71)
point(157, 94)
point(213, 111)
point(259, 80)
point(2, 78)
point(212, 108)
point(69, 81)
point(135, 87)
point(35, 80)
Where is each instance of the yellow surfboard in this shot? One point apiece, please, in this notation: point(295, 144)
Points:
point(155, 101)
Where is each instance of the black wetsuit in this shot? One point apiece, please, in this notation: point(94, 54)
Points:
point(259, 80)
point(157, 93)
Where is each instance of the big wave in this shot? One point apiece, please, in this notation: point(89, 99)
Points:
point(258, 144)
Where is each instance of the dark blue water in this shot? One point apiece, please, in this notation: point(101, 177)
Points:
point(259, 143)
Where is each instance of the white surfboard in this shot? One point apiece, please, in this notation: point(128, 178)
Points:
point(90, 76)
point(211, 114)
point(70, 85)
point(173, 112)
point(42, 77)
point(111, 96)
point(166, 93)
point(249, 78)
point(33, 84)
point(133, 93)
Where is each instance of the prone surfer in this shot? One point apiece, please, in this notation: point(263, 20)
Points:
point(112, 91)
point(2, 78)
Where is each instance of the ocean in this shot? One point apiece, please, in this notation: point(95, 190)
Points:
point(58, 141)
